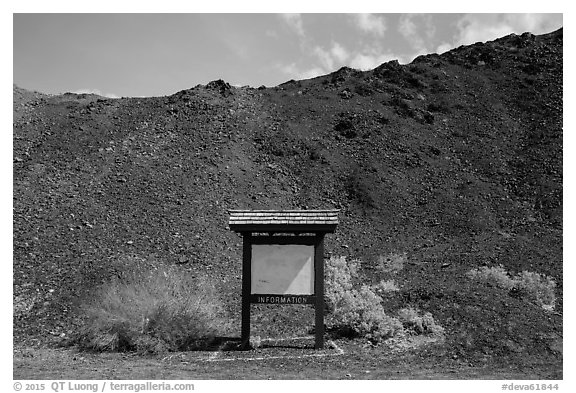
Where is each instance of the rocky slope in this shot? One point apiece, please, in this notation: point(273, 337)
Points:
point(454, 159)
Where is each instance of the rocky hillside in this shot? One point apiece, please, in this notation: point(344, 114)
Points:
point(454, 159)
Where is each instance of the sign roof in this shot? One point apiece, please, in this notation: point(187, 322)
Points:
point(283, 220)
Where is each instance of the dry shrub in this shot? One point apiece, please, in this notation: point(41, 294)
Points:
point(387, 286)
point(537, 287)
point(414, 323)
point(359, 312)
point(154, 311)
point(495, 275)
point(355, 312)
point(534, 286)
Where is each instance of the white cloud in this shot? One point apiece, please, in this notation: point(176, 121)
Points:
point(336, 57)
point(473, 30)
point(414, 27)
point(294, 21)
point(409, 30)
point(339, 52)
point(294, 72)
point(324, 56)
point(486, 27)
point(533, 23)
point(368, 61)
point(288, 69)
point(95, 91)
point(419, 31)
point(317, 61)
point(406, 25)
point(444, 47)
point(311, 73)
point(370, 23)
point(331, 59)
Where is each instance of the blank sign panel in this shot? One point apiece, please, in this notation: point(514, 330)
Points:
point(282, 269)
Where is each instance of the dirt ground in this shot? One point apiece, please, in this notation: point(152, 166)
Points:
point(342, 359)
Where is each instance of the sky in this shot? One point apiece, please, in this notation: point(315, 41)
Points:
point(135, 55)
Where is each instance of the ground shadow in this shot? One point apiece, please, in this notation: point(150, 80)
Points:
point(232, 344)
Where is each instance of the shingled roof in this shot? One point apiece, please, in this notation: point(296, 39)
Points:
point(283, 220)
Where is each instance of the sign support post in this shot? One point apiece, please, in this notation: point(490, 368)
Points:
point(246, 284)
point(319, 290)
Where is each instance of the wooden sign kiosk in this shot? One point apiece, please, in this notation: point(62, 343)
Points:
point(283, 260)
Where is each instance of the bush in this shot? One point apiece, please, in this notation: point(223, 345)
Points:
point(535, 286)
point(387, 286)
point(495, 275)
point(538, 287)
point(355, 312)
point(413, 323)
point(154, 311)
